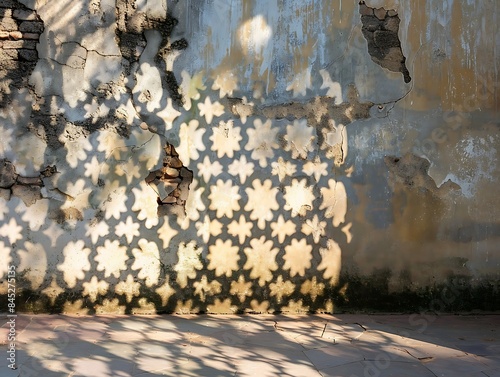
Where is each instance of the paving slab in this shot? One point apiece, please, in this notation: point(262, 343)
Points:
point(335, 355)
point(254, 345)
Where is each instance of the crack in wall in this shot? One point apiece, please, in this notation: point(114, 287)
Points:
point(130, 34)
point(380, 29)
point(172, 181)
point(28, 189)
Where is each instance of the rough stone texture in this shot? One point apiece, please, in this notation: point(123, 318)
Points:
point(20, 28)
point(171, 183)
point(8, 175)
point(229, 157)
point(381, 32)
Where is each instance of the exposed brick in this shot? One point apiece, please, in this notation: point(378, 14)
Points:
point(392, 24)
point(31, 45)
point(8, 23)
point(31, 36)
point(9, 3)
point(30, 55)
point(9, 54)
point(16, 35)
point(364, 10)
point(12, 44)
point(9, 64)
point(5, 12)
point(25, 15)
point(25, 67)
point(380, 13)
point(31, 26)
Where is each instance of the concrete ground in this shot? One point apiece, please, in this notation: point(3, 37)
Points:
point(253, 345)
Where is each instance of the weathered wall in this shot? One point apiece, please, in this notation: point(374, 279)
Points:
point(259, 156)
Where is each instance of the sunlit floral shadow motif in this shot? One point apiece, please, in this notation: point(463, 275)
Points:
point(258, 232)
point(239, 232)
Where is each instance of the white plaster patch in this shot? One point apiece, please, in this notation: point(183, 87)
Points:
point(102, 41)
point(153, 8)
point(102, 69)
point(35, 215)
point(148, 147)
point(69, 53)
point(30, 155)
point(148, 88)
point(190, 141)
point(477, 162)
point(6, 139)
point(254, 34)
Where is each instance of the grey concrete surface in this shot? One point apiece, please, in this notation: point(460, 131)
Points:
point(349, 345)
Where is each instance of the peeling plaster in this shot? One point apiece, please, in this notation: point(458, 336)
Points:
point(171, 183)
point(29, 189)
point(265, 166)
point(380, 28)
point(413, 172)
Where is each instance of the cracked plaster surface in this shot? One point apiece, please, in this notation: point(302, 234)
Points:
point(110, 91)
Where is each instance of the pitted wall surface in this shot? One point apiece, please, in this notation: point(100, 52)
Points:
point(263, 156)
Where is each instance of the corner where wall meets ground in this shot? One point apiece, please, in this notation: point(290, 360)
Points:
point(257, 156)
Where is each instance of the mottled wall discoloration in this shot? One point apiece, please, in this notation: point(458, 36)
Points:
point(253, 157)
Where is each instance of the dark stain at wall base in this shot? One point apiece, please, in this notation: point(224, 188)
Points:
point(354, 293)
point(171, 183)
point(380, 29)
point(459, 293)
